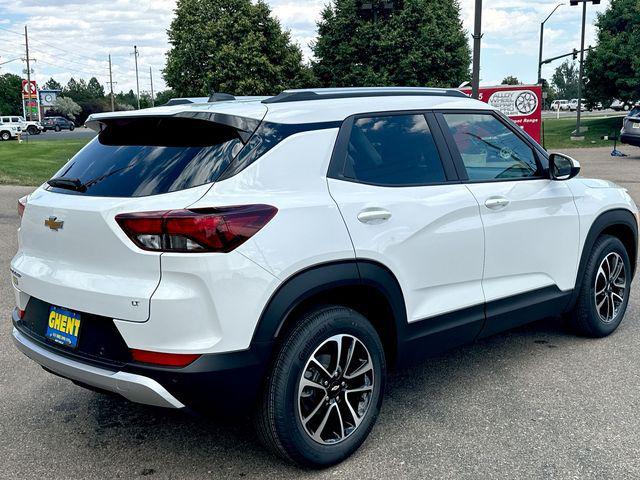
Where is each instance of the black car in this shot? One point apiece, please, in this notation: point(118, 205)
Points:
point(630, 133)
point(57, 124)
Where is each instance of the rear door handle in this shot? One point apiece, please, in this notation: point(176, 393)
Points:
point(374, 216)
point(496, 203)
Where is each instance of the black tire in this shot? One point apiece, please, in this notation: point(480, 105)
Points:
point(31, 130)
point(57, 128)
point(4, 136)
point(278, 413)
point(585, 317)
point(71, 127)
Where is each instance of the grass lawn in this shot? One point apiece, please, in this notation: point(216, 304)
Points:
point(558, 132)
point(35, 162)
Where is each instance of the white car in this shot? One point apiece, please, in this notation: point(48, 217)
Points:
point(32, 127)
point(10, 127)
point(573, 105)
point(290, 250)
point(562, 105)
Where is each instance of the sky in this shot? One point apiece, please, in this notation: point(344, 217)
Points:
point(73, 38)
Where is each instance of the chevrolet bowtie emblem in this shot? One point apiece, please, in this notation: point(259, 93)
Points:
point(53, 223)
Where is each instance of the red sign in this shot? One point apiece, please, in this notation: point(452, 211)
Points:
point(521, 103)
point(25, 89)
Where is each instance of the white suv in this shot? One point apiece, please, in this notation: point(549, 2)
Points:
point(10, 127)
point(289, 250)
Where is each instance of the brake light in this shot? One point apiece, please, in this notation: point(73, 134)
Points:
point(164, 359)
point(22, 203)
point(202, 230)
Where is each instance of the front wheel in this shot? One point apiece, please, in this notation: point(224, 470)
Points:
point(604, 294)
point(325, 389)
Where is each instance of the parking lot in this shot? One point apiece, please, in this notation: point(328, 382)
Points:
point(537, 402)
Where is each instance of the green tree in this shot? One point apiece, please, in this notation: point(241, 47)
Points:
point(10, 94)
point(94, 89)
point(232, 46)
point(164, 96)
point(565, 80)
point(421, 43)
point(613, 68)
point(52, 84)
point(67, 107)
point(511, 80)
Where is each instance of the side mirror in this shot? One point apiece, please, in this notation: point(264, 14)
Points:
point(562, 167)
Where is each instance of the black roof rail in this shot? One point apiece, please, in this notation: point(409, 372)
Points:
point(334, 93)
point(220, 97)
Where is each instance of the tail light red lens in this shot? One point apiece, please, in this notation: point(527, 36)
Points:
point(164, 359)
point(191, 231)
point(22, 203)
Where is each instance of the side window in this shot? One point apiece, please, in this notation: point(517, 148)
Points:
point(5, 120)
point(15, 119)
point(489, 149)
point(393, 150)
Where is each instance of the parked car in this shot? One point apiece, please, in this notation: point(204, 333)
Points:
point(32, 127)
point(562, 105)
point(57, 124)
point(289, 251)
point(10, 127)
point(573, 105)
point(630, 133)
point(619, 105)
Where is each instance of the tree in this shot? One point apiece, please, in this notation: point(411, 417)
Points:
point(94, 89)
point(164, 96)
point(511, 80)
point(10, 94)
point(421, 43)
point(52, 84)
point(67, 107)
point(565, 80)
point(612, 67)
point(239, 48)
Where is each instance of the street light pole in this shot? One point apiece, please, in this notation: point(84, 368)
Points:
point(477, 38)
point(542, 41)
point(580, 77)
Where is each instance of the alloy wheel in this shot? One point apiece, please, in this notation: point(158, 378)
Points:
point(610, 287)
point(335, 389)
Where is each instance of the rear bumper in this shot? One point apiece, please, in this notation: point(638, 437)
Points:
point(220, 382)
point(136, 388)
point(633, 140)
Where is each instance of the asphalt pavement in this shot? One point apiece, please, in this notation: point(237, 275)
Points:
point(534, 403)
point(78, 133)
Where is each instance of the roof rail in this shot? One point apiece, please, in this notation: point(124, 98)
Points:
point(333, 93)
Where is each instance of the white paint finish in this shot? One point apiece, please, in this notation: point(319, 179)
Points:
point(90, 265)
point(308, 228)
point(530, 242)
point(205, 303)
point(433, 242)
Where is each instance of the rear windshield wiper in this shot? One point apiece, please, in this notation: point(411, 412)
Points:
point(68, 183)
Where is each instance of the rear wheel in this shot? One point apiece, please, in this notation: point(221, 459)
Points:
point(325, 389)
point(71, 127)
point(5, 136)
point(57, 128)
point(604, 294)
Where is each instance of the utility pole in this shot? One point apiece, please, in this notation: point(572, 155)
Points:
point(135, 56)
point(153, 103)
point(26, 44)
point(113, 103)
point(477, 37)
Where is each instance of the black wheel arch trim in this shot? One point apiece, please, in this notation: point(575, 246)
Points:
point(324, 277)
point(607, 219)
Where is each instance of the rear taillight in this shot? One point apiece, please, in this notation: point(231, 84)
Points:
point(22, 203)
point(201, 230)
point(164, 359)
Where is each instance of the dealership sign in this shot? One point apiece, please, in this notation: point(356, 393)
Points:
point(521, 103)
point(29, 89)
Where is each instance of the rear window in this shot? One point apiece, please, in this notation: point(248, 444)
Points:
point(635, 112)
point(151, 156)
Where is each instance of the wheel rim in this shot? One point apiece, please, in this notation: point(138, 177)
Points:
point(610, 287)
point(335, 389)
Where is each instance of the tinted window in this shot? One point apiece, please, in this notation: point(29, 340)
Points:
point(134, 158)
point(15, 119)
point(635, 112)
point(393, 150)
point(489, 149)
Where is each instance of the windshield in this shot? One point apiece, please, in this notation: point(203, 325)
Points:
point(635, 112)
point(150, 156)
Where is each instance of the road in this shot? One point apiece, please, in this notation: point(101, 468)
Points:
point(534, 403)
point(78, 133)
point(604, 113)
